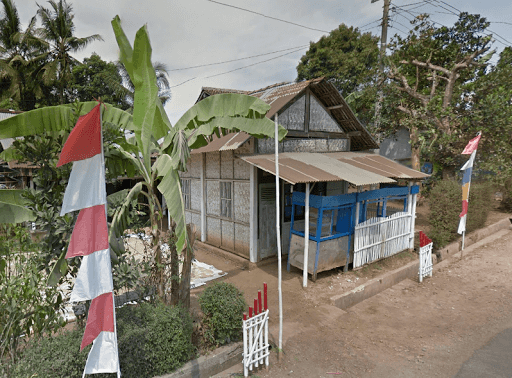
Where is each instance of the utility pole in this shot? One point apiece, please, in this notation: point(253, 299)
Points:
point(382, 54)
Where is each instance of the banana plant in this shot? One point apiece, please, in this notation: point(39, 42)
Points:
point(149, 123)
point(217, 114)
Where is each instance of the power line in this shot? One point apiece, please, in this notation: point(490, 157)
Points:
point(235, 60)
point(237, 69)
point(250, 65)
point(266, 16)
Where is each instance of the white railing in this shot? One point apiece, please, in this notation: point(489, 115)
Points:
point(378, 238)
point(255, 335)
point(426, 265)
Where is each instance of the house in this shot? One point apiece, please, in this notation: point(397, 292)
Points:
point(229, 186)
point(13, 174)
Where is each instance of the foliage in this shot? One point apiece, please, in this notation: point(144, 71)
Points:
point(95, 79)
point(27, 306)
point(58, 31)
point(491, 113)
point(19, 60)
point(429, 69)
point(348, 59)
point(152, 340)
point(445, 201)
point(507, 196)
point(223, 306)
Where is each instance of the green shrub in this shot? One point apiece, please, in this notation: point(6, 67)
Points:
point(223, 306)
point(153, 340)
point(506, 202)
point(445, 201)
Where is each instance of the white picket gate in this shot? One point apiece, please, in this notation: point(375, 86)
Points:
point(377, 238)
point(426, 265)
point(255, 335)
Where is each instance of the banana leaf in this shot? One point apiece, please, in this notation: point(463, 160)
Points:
point(58, 118)
point(13, 207)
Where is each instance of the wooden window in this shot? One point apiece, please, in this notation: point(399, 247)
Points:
point(226, 199)
point(185, 190)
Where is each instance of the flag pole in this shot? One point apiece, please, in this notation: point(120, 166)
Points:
point(109, 260)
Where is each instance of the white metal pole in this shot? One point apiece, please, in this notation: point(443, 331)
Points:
point(109, 260)
point(203, 197)
point(278, 231)
point(306, 239)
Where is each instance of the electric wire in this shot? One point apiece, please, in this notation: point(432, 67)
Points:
point(236, 60)
point(266, 16)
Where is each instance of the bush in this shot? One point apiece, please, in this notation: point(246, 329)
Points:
point(153, 340)
point(445, 201)
point(506, 203)
point(223, 306)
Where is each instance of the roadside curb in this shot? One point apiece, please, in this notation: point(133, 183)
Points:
point(206, 366)
point(472, 238)
point(379, 284)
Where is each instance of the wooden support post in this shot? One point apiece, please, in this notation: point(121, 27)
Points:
point(278, 232)
point(306, 239)
point(413, 220)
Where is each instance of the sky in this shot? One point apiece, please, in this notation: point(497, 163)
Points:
point(188, 33)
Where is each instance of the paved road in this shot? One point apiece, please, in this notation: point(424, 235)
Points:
point(494, 360)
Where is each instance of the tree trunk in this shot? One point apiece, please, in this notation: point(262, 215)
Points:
point(415, 149)
point(175, 266)
point(184, 291)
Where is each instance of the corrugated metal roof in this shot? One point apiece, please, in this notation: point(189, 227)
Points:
point(315, 167)
point(378, 164)
point(279, 95)
point(227, 142)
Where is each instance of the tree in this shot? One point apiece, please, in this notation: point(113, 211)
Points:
point(95, 78)
point(349, 60)
point(164, 89)
point(19, 59)
point(58, 29)
point(429, 69)
point(490, 111)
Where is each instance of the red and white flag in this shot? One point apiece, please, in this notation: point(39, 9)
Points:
point(86, 192)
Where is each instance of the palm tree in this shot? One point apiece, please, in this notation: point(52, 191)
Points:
point(57, 30)
point(164, 91)
point(19, 58)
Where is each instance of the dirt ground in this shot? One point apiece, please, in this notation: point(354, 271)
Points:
point(408, 327)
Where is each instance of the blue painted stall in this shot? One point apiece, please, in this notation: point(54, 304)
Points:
point(332, 222)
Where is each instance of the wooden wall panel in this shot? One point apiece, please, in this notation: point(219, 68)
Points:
point(213, 165)
point(242, 239)
point(242, 170)
point(195, 194)
point(213, 197)
point(213, 231)
point(226, 164)
point(228, 235)
point(242, 201)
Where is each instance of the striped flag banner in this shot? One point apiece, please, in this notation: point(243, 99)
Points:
point(86, 192)
point(466, 180)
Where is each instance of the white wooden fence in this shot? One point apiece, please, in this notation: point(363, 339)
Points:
point(425, 257)
point(377, 238)
point(255, 335)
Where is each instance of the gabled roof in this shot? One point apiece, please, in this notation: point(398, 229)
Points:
point(280, 94)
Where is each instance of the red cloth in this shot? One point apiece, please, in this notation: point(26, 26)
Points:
point(472, 145)
point(100, 318)
point(424, 240)
point(84, 141)
point(90, 233)
point(464, 208)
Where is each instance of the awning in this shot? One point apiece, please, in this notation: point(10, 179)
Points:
point(378, 164)
point(303, 167)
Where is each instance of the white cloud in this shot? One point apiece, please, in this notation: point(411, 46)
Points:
point(186, 33)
